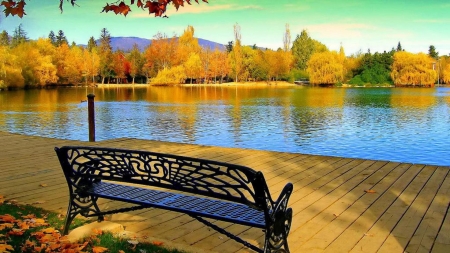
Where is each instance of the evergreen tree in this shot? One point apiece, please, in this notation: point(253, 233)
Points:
point(399, 47)
point(52, 38)
point(432, 52)
point(229, 46)
point(4, 38)
point(19, 36)
point(91, 44)
point(106, 54)
point(61, 38)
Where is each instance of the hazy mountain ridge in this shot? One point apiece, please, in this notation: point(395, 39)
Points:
point(126, 43)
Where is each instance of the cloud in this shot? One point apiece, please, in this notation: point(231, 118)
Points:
point(343, 30)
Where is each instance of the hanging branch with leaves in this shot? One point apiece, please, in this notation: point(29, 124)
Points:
point(158, 7)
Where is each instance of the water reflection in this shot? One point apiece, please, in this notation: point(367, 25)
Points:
point(408, 125)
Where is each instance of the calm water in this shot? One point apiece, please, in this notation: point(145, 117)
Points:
point(397, 124)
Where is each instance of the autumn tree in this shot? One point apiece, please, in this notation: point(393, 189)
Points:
point(193, 66)
point(106, 55)
point(303, 47)
point(219, 65)
point(413, 69)
point(446, 69)
point(119, 65)
point(91, 64)
point(185, 45)
point(174, 75)
point(325, 68)
point(136, 61)
point(10, 69)
point(161, 54)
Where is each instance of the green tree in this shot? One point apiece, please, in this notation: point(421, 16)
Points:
point(61, 38)
point(432, 52)
point(91, 44)
point(4, 38)
point(229, 46)
point(303, 47)
point(399, 47)
point(19, 36)
point(106, 55)
point(52, 38)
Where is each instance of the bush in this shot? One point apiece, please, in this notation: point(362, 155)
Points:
point(175, 75)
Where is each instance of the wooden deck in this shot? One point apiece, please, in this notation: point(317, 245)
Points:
point(409, 211)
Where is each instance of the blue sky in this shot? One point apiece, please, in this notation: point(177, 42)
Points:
point(377, 25)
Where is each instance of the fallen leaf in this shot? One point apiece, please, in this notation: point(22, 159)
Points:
point(16, 231)
point(97, 231)
point(49, 230)
point(98, 249)
point(5, 248)
point(157, 243)
point(370, 191)
point(43, 185)
point(121, 251)
point(38, 202)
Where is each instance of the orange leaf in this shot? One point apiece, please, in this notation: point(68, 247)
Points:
point(157, 243)
point(43, 185)
point(49, 230)
point(97, 231)
point(16, 231)
point(5, 247)
point(7, 218)
point(370, 191)
point(98, 249)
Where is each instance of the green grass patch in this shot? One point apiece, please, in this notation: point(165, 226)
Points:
point(26, 228)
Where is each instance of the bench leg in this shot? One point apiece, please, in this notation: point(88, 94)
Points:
point(277, 234)
point(86, 206)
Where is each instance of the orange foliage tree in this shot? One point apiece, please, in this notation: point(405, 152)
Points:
point(413, 69)
point(158, 7)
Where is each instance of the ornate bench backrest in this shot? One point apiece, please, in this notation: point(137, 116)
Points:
point(209, 178)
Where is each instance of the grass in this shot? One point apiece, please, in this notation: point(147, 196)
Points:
point(25, 228)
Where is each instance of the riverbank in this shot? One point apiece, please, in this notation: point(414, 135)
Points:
point(240, 84)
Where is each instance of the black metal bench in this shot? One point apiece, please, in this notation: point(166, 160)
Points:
point(196, 187)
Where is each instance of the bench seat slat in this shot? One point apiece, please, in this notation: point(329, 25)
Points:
point(209, 208)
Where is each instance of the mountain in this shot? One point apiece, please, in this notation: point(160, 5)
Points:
point(126, 43)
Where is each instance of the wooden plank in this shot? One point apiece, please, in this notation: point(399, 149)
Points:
point(399, 238)
point(354, 202)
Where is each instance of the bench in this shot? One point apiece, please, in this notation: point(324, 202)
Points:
point(196, 187)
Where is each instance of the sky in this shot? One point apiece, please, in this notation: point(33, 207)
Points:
point(357, 25)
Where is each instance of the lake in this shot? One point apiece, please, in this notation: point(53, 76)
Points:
point(397, 124)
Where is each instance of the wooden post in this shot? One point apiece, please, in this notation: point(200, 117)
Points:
point(91, 117)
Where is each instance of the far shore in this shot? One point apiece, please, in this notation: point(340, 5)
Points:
point(246, 84)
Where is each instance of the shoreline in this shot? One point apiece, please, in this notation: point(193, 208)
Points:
point(230, 84)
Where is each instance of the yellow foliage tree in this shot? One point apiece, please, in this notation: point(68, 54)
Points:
point(10, 71)
point(325, 68)
point(413, 69)
point(186, 44)
point(193, 66)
